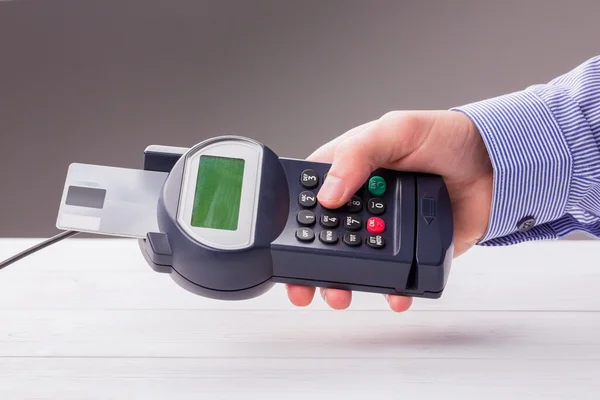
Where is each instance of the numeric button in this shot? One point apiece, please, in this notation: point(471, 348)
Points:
point(307, 199)
point(376, 242)
point(305, 235)
point(328, 237)
point(309, 179)
point(330, 221)
point(352, 223)
point(354, 204)
point(352, 239)
point(376, 206)
point(306, 218)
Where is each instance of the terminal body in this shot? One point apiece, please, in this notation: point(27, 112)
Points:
point(395, 236)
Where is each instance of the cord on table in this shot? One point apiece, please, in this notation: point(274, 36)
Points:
point(37, 247)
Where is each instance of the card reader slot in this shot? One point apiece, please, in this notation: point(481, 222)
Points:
point(412, 282)
point(162, 158)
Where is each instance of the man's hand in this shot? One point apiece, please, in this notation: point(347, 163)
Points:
point(445, 143)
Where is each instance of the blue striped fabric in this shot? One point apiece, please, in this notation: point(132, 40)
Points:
point(544, 144)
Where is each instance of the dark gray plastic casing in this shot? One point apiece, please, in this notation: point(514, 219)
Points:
point(415, 261)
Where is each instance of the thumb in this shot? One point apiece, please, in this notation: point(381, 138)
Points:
point(392, 137)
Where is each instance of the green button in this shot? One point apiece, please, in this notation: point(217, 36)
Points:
point(377, 186)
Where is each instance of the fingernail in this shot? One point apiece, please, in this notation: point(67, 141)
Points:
point(332, 190)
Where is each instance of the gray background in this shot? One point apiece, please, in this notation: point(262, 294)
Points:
point(97, 81)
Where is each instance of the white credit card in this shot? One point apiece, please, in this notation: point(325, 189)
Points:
point(110, 200)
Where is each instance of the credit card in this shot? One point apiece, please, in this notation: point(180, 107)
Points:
point(110, 201)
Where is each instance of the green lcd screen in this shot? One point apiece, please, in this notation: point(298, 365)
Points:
point(218, 193)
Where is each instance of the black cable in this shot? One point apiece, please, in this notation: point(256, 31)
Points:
point(37, 248)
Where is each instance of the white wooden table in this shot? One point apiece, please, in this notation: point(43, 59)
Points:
point(87, 319)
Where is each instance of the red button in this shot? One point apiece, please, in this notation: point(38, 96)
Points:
point(375, 225)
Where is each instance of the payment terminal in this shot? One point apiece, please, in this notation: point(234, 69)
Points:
point(228, 219)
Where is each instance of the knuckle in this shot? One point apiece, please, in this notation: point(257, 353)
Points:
point(405, 127)
point(347, 147)
point(400, 120)
point(393, 115)
point(400, 126)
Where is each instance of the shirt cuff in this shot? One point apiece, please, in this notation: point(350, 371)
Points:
point(532, 164)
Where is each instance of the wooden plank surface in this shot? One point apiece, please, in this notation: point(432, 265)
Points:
point(88, 319)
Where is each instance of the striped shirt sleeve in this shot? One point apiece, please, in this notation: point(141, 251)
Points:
point(544, 144)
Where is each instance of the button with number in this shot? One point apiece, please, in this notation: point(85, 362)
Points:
point(352, 223)
point(328, 237)
point(354, 204)
point(307, 199)
point(377, 186)
point(305, 235)
point(375, 225)
point(309, 179)
point(330, 221)
point(376, 242)
point(376, 206)
point(352, 239)
point(306, 218)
